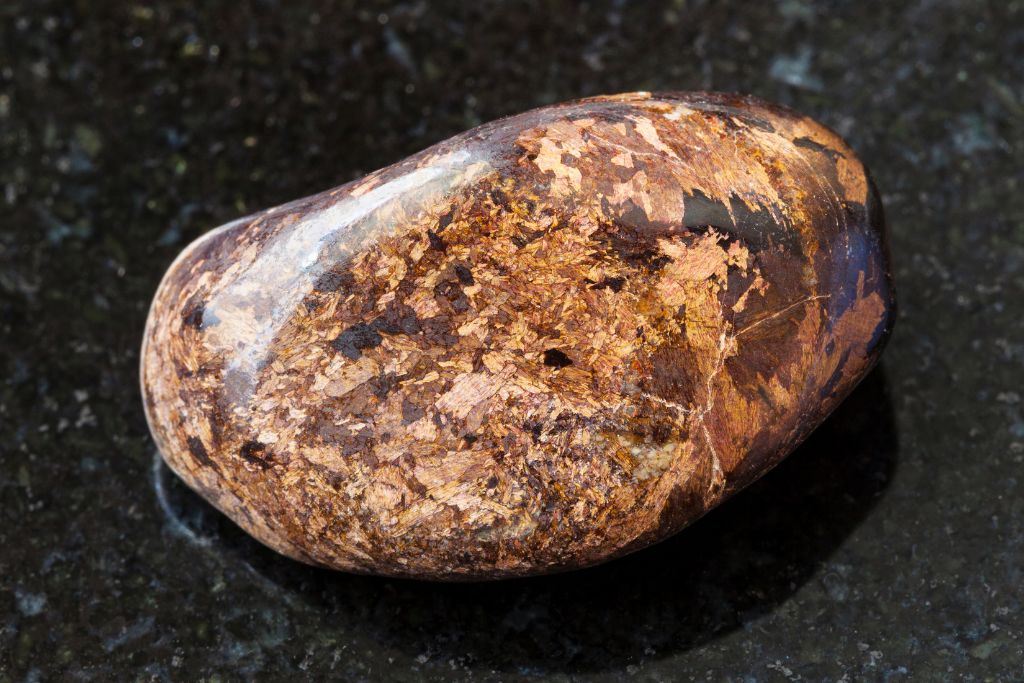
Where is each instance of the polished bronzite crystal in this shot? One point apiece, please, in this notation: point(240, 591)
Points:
point(541, 344)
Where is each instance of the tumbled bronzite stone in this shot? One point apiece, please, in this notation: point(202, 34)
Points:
point(541, 344)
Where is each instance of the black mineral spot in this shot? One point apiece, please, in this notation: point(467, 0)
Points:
point(464, 274)
point(436, 242)
point(450, 291)
point(522, 240)
point(808, 143)
point(499, 198)
point(469, 438)
point(193, 316)
point(613, 283)
point(535, 429)
point(492, 482)
point(655, 262)
point(198, 451)
point(398, 318)
point(352, 341)
point(634, 248)
point(445, 220)
point(254, 452)
point(660, 433)
point(556, 359)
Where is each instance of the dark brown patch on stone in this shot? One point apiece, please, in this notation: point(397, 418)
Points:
point(436, 242)
point(398, 318)
point(464, 274)
point(355, 339)
point(198, 451)
point(613, 283)
point(255, 453)
point(556, 359)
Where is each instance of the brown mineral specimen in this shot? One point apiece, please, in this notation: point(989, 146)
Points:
point(541, 344)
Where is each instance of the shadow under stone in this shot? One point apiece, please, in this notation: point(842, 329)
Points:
point(743, 560)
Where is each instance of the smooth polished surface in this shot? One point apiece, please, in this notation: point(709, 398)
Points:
point(887, 547)
point(541, 344)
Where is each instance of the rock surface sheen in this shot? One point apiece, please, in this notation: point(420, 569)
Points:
point(538, 345)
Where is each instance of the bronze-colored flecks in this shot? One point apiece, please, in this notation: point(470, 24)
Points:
point(539, 345)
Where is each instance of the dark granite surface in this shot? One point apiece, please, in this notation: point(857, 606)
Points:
point(889, 547)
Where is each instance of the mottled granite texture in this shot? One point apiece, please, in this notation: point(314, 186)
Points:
point(889, 547)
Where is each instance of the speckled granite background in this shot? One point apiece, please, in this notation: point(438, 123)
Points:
point(889, 547)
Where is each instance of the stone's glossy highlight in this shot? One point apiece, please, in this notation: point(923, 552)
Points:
point(546, 342)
